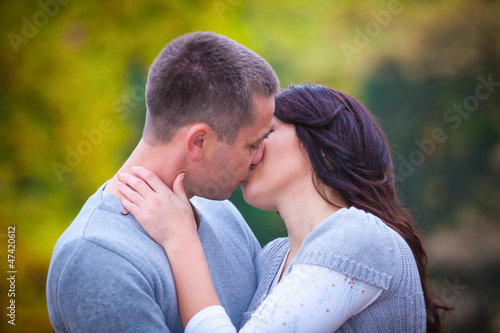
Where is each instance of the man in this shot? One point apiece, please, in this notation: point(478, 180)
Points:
point(209, 104)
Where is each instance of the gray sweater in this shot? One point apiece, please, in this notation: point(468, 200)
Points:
point(360, 245)
point(108, 275)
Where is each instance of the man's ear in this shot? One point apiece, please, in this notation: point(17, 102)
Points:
point(199, 141)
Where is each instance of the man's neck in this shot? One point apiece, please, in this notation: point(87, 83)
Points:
point(163, 160)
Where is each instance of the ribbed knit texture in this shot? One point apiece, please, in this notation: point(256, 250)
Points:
point(360, 245)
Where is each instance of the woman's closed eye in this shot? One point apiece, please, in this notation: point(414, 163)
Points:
point(268, 133)
point(257, 145)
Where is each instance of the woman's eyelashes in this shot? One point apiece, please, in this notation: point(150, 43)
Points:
point(269, 133)
point(256, 146)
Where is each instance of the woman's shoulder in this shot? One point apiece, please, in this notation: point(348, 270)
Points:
point(271, 256)
point(272, 250)
point(352, 228)
point(276, 245)
point(355, 243)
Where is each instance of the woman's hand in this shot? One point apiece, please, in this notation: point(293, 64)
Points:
point(167, 217)
point(165, 214)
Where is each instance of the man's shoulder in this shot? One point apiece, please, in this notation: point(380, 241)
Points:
point(102, 233)
point(104, 265)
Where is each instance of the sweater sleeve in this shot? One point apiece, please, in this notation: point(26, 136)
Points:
point(101, 291)
point(309, 299)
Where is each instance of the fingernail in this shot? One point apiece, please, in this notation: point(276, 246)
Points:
point(122, 175)
point(134, 167)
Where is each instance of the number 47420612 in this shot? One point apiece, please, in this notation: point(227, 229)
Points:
point(11, 246)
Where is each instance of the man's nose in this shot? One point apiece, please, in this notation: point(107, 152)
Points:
point(257, 158)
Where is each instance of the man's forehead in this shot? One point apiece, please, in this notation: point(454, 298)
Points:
point(262, 129)
point(264, 111)
point(253, 134)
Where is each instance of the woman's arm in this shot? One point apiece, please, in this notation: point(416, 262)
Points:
point(167, 217)
point(309, 299)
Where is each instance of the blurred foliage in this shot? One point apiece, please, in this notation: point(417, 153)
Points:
point(73, 80)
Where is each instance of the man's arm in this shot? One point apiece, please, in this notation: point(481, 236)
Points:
point(101, 291)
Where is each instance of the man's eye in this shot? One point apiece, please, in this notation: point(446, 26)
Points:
point(254, 147)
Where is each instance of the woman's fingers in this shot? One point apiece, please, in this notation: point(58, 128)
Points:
point(137, 184)
point(178, 186)
point(165, 214)
point(131, 194)
point(151, 179)
point(131, 207)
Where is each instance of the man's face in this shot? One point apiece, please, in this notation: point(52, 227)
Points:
point(230, 165)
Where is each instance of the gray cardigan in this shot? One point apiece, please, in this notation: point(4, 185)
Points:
point(360, 245)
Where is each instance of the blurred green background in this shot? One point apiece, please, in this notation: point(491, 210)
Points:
point(72, 109)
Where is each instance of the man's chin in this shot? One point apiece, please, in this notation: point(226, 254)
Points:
point(218, 196)
point(246, 181)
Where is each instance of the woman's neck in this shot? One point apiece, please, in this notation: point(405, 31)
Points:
point(304, 211)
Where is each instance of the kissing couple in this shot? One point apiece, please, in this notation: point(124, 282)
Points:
point(158, 248)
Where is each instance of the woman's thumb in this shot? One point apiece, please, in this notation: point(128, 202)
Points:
point(178, 186)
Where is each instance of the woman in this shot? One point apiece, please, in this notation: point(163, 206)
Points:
point(352, 261)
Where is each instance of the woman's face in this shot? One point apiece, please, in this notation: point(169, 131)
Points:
point(282, 172)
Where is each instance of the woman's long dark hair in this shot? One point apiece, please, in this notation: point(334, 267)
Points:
point(350, 154)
